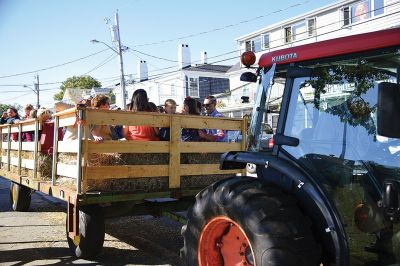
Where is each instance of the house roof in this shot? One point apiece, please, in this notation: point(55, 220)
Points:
point(209, 68)
point(234, 68)
point(74, 95)
point(96, 91)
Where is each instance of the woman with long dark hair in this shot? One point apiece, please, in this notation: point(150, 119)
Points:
point(190, 108)
point(140, 103)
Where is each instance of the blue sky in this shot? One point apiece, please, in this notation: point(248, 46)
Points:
point(43, 33)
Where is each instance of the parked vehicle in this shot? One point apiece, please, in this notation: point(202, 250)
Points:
point(329, 192)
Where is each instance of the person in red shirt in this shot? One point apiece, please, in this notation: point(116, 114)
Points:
point(140, 103)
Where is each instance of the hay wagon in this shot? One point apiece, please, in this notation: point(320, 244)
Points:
point(101, 180)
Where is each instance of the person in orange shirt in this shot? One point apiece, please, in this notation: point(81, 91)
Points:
point(140, 103)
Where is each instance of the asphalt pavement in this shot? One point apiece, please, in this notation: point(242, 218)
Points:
point(37, 237)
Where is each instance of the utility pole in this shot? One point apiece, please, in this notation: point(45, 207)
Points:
point(36, 90)
point(120, 61)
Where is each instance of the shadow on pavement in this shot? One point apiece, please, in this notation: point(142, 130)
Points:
point(59, 256)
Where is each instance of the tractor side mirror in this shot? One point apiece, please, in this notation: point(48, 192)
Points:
point(248, 77)
point(388, 110)
point(391, 199)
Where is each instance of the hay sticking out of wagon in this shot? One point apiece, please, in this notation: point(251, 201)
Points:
point(122, 185)
point(43, 169)
point(137, 185)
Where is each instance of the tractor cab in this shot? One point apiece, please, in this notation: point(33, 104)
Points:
point(339, 126)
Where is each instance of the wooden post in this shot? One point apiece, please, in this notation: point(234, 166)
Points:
point(19, 148)
point(174, 153)
point(1, 147)
point(55, 151)
point(9, 149)
point(85, 157)
point(244, 140)
point(244, 133)
point(37, 143)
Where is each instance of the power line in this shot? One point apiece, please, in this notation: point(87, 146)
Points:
point(223, 27)
point(47, 68)
point(153, 56)
point(152, 77)
point(169, 67)
point(102, 63)
point(326, 25)
point(19, 96)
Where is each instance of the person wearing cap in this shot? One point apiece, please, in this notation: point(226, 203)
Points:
point(218, 135)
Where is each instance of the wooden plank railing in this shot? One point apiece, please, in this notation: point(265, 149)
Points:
point(175, 147)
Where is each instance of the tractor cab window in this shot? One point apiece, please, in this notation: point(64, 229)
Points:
point(333, 113)
point(265, 112)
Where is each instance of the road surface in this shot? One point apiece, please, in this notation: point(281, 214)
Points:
point(38, 237)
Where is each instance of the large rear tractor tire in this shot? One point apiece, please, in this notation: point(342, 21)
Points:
point(238, 221)
point(91, 232)
point(20, 197)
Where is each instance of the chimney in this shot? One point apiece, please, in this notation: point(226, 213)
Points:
point(203, 57)
point(142, 71)
point(183, 56)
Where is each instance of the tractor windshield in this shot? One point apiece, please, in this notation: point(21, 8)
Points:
point(333, 114)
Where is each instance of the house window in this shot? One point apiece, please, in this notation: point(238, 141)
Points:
point(254, 45)
point(288, 34)
point(248, 46)
point(173, 91)
point(193, 87)
point(362, 10)
point(378, 7)
point(346, 16)
point(312, 29)
point(299, 31)
point(265, 39)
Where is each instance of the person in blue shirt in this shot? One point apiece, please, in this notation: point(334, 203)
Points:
point(217, 135)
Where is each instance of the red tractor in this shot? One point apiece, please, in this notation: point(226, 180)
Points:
point(329, 191)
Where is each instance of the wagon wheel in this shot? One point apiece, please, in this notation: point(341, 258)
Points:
point(91, 232)
point(20, 197)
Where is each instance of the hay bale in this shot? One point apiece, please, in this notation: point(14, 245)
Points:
point(43, 169)
point(200, 158)
point(137, 185)
point(201, 181)
point(144, 158)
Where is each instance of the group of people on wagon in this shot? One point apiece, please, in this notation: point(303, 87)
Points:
point(139, 103)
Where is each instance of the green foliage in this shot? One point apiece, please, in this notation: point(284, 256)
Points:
point(112, 97)
point(79, 82)
point(356, 110)
point(4, 107)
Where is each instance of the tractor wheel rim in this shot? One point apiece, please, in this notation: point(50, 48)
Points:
point(14, 194)
point(224, 242)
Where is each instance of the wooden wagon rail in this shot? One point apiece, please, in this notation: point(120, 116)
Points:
point(84, 148)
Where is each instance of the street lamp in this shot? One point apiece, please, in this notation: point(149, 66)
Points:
point(119, 53)
point(36, 91)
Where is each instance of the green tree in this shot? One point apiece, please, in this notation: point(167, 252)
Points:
point(4, 107)
point(79, 82)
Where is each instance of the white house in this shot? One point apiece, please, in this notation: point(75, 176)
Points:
point(194, 80)
point(341, 18)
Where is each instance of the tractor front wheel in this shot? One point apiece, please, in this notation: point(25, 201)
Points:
point(239, 221)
